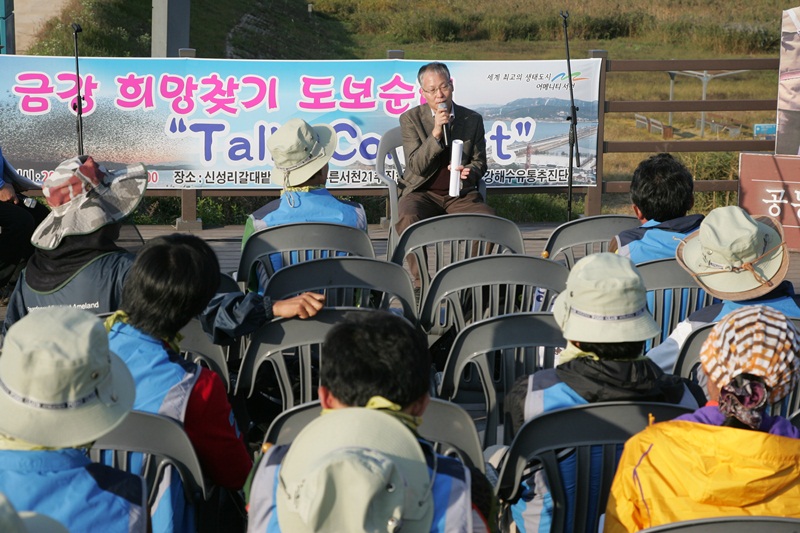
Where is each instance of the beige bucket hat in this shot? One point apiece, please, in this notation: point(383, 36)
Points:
point(60, 385)
point(12, 521)
point(355, 469)
point(299, 150)
point(605, 301)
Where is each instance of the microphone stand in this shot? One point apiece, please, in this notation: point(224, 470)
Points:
point(573, 124)
point(76, 29)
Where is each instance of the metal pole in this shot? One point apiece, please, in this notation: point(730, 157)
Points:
point(573, 124)
point(76, 29)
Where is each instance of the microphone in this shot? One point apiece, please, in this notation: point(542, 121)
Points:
point(443, 105)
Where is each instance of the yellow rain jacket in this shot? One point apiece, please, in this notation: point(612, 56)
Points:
point(680, 470)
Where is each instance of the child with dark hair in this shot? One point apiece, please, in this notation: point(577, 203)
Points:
point(380, 362)
point(603, 315)
point(661, 194)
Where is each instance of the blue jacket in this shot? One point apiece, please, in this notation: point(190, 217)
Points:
point(580, 381)
point(656, 240)
point(452, 508)
point(65, 485)
point(782, 298)
point(163, 386)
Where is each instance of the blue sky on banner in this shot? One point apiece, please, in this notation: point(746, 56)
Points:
point(204, 123)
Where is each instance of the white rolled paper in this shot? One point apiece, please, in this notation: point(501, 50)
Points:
point(455, 161)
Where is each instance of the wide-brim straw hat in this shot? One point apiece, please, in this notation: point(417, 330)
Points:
point(735, 256)
point(299, 151)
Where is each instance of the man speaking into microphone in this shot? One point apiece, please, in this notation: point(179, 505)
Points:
point(428, 134)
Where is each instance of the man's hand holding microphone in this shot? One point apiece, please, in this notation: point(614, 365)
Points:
point(441, 122)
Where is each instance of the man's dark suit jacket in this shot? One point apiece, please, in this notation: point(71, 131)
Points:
point(425, 156)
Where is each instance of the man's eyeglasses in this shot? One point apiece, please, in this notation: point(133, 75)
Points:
point(445, 88)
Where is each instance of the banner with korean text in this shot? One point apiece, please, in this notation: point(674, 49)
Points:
point(204, 123)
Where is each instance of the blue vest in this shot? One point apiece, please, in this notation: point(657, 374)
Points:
point(164, 382)
point(317, 205)
point(65, 485)
point(452, 501)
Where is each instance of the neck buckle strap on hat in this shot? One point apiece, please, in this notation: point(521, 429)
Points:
point(86, 178)
point(748, 266)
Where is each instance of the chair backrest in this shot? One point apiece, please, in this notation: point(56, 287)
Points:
point(227, 283)
point(129, 237)
point(484, 287)
point(162, 443)
point(672, 295)
point(794, 418)
point(585, 236)
point(299, 242)
point(294, 349)
point(198, 348)
point(688, 366)
point(446, 425)
point(502, 349)
point(348, 282)
point(732, 524)
point(588, 429)
point(390, 143)
point(689, 357)
point(453, 238)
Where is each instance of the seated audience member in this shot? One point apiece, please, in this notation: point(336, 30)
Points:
point(301, 153)
point(78, 264)
point(381, 363)
point(18, 221)
point(61, 388)
point(603, 315)
point(661, 194)
point(162, 292)
point(26, 522)
point(728, 458)
point(738, 258)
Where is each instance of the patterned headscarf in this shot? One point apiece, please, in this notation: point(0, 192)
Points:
point(751, 355)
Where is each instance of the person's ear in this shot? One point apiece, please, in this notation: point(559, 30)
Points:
point(327, 400)
point(638, 213)
point(418, 407)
